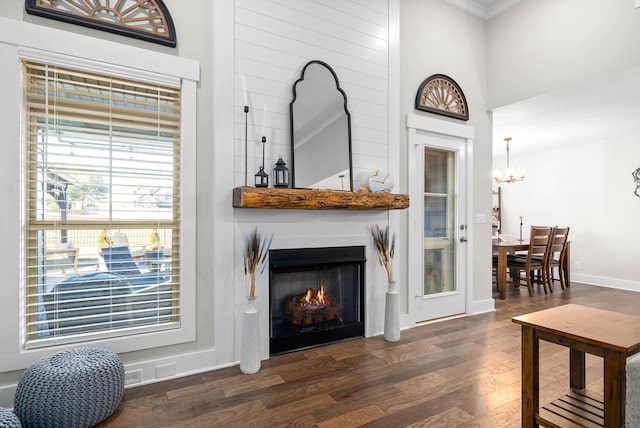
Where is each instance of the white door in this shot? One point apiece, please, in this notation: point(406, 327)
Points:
point(438, 239)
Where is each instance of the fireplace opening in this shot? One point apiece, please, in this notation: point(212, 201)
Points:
point(316, 297)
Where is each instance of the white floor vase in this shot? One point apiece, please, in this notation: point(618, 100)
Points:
point(392, 314)
point(250, 347)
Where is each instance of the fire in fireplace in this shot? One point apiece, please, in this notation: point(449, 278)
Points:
point(312, 308)
point(316, 296)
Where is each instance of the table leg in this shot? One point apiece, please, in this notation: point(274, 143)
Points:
point(577, 378)
point(530, 377)
point(615, 386)
point(502, 272)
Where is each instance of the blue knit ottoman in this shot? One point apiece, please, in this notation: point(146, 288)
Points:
point(632, 403)
point(8, 419)
point(70, 389)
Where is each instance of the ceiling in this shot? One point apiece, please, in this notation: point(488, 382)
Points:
point(604, 108)
point(484, 9)
point(601, 109)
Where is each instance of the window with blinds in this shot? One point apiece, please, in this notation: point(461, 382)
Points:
point(102, 205)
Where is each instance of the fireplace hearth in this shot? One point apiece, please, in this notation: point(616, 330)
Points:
point(316, 297)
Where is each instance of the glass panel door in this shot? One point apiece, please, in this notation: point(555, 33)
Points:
point(437, 218)
point(439, 222)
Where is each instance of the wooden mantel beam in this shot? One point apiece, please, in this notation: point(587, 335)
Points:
point(308, 199)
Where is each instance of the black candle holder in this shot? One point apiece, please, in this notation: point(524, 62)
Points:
point(280, 174)
point(261, 177)
point(246, 169)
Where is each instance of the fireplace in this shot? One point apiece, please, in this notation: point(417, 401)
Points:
point(316, 296)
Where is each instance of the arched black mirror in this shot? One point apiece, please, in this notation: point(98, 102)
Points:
point(320, 131)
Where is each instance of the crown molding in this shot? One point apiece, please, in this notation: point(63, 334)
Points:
point(485, 12)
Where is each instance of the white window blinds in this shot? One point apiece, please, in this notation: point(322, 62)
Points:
point(102, 213)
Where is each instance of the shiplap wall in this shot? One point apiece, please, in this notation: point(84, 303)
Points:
point(274, 39)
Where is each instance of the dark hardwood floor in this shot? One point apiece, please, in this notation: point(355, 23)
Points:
point(462, 372)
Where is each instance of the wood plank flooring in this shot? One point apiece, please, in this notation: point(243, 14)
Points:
point(457, 373)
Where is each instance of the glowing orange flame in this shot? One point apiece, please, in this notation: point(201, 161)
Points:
point(315, 298)
point(320, 295)
point(309, 296)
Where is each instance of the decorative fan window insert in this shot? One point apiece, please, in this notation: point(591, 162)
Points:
point(441, 95)
point(143, 19)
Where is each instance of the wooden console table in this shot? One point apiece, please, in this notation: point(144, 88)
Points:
point(610, 335)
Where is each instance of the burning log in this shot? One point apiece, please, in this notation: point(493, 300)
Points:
point(312, 307)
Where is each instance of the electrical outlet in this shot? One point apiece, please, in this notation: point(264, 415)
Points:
point(165, 370)
point(133, 376)
point(578, 265)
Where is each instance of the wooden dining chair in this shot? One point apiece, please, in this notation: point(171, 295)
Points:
point(557, 256)
point(534, 261)
point(494, 269)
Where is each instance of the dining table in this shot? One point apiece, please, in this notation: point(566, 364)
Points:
point(503, 248)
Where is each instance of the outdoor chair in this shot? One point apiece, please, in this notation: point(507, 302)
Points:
point(119, 261)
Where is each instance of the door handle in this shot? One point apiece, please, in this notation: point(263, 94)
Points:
point(463, 239)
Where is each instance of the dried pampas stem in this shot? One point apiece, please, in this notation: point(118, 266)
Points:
point(385, 244)
point(256, 250)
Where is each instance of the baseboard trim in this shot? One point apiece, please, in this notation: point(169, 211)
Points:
point(482, 306)
point(150, 371)
point(621, 284)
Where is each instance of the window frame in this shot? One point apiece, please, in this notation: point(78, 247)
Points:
point(18, 41)
point(107, 113)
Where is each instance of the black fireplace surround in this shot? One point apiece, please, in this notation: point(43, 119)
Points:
point(316, 297)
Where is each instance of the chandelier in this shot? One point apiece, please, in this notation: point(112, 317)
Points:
point(512, 174)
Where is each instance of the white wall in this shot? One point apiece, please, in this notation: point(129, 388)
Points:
point(192, 28)
point(588, 187)
point(269, 42)
point(274, 39)
point(436, 37)
point(538, 46)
